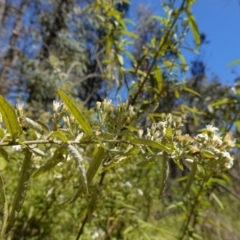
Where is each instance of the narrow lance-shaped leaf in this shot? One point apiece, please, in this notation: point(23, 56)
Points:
point(92, 170)
point(3, 159)
point(191, 91)
point(234, 62)
point(79, 161)
point(217, 200)
point(34, 125)
point(149, 143)
point(194, 28)
point(21, 190)
point(4, 205)
point(9, 117)
point(76, 113)
point(164, 174)
point(52, 162)
point(58, 134)
point(190, 177)
point(222, 102)
point(159, 78)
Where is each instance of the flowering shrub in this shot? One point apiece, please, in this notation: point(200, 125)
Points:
point(114, 137)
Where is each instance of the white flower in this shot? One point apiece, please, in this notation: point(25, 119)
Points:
point(216, 140)
point(202, 137)
point(17, 148)
point(56, 105)
point(211, 129)
point(228, 158)
point(19, 107)
point(140, 133)
point(229, 141)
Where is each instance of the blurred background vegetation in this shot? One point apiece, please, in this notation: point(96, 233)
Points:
point(87, 49)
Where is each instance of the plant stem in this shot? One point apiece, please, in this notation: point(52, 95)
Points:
point(80, 232)
point(141, 86)
point(194, 205)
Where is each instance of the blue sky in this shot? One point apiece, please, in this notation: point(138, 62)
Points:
point(220, 21)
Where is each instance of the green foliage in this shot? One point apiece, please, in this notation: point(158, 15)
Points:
point(105, 172)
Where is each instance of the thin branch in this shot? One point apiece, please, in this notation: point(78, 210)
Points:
point(141, 85)
point(32, 142)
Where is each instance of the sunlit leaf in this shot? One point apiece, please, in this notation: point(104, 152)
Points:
point(21, 190)
point(38, 152)
point(191, 91)
point(128, 33)
point(149, 143)
point(159, 78)
point(58, 134)
point(194, 28)
point(9, 117)
point(79, 161)
point(52, 162)
point(222, 102)
point(208, 154)
point(217, 200)
point(234, 62)
point(34, 125)
point(76, 113)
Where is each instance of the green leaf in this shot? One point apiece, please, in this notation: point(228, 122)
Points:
point(44, 126)
point(131, 34)
point(92, 170)
point(194, 28)
point(149, 143)
point(95, 164)
point(217, 200)
point(52, 162)
point(21, 189)
point(3, 163)
point(34, 125)
point(131, 151)
point(58, 134)
point(208, 154)
point(190, 177)
point(2, 133)
point(191, 91)
point(234, 62)
point(222, 102)
point(163, 174)
point(79, 161)
point(4, 206)
point(129, 55)
point(38, 152)
point(76, 113)
point(158, 76)
point(9, 117)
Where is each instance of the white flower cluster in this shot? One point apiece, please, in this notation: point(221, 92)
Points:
point(214, 149)
point(114, 117)
point(208, 149)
